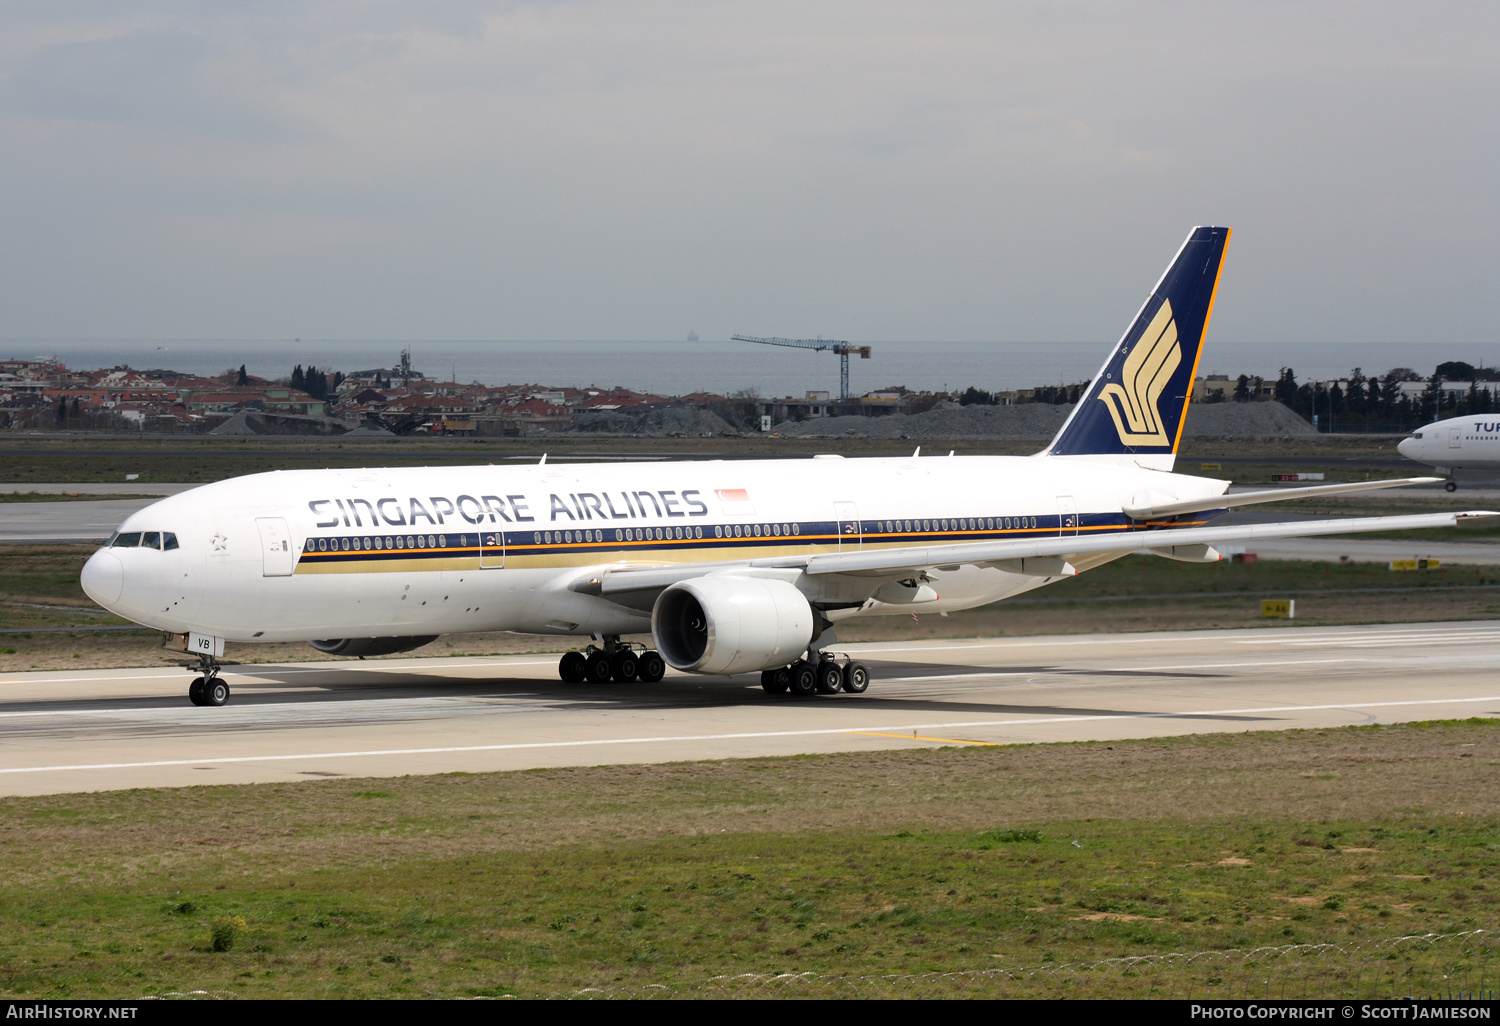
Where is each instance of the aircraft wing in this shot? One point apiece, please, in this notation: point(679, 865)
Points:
point(981, 553)
point(892, 561)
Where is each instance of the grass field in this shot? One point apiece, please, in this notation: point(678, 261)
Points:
point(866, 870)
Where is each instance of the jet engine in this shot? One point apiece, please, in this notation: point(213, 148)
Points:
point(370, 646)
point(731, 624)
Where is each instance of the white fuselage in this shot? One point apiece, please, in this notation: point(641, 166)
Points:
point(1472, 442)
point(311, 555)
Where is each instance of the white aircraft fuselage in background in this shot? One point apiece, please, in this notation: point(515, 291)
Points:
point(732, 566)
point(1458, 443)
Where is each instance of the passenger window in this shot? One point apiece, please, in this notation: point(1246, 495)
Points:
point(128, 540)
point(151, 540)
point(169, 540)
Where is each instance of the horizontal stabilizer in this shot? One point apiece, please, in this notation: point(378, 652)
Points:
point(1188, 553)
point(1232, 499)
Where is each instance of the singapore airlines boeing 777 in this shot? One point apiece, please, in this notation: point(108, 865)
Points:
point(731, 567)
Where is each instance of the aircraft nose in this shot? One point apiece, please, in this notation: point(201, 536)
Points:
point(1407, 447)
point(103, 578)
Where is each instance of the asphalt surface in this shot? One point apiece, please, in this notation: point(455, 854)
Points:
point(108, 729)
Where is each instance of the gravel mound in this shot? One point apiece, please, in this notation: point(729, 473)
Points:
point(652, 420)
point(1244, 420)
point(254, 422)
point(947, 420)
point(1040, 421)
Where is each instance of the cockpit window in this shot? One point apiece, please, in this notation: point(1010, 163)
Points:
point(128, 540)
point(169, 540)
point(151, 540)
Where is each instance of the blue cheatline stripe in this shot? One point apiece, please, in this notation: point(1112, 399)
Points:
point(362, 548)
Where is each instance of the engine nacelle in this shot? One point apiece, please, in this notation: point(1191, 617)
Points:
point(731, 624)
point(371, 646)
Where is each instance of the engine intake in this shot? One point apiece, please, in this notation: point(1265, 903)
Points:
point(371, 646)
point(731, 624)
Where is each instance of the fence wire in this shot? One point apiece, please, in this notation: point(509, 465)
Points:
point(1422, 966)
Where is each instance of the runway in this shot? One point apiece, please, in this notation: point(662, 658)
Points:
point(109, 729)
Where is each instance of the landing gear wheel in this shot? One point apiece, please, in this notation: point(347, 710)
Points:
point(596, 669)
point(624, 667)
point(804, 678)
point(650, 668)
point(830, 677)
point(1451, 486)
point(572, 667)
point(215, 692)
point(775, 681)
point(856, 678)
point(195, 692)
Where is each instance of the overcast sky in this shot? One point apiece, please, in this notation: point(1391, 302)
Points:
point(626, 170)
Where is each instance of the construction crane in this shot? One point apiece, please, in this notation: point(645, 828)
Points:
point(817, 345)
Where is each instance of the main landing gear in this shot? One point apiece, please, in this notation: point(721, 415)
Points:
point(615, 661)
point(817, 676)
point(208, 689)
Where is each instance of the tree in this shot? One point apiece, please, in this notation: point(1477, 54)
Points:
point(242, 378)
point(1455, 370)
point(297, 381)
point(976, 397)
point(1286, 387)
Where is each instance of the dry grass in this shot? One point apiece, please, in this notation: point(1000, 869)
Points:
point(870, 865)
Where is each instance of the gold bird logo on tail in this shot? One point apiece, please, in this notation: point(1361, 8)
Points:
point(1133, 402)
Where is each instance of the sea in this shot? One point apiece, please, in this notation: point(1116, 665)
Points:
point(678, 368)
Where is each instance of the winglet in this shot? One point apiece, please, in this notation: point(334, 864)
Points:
point(1138, 402)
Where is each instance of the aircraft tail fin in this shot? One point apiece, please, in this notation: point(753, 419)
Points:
point(1136, 405)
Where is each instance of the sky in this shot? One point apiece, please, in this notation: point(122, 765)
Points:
point(639, 170)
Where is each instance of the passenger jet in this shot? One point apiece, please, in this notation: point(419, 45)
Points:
point(732, 567)
point(1468, 443)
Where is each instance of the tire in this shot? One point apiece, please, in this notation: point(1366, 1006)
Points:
point(596, 669)
point(830, 677)
point(774, 681)
point(195, 692)
point(1451, 486)
point(856, 678)
point(572, 667)
point(650, 668)
point(804, 679)
point(624, 667)
point(215, 692)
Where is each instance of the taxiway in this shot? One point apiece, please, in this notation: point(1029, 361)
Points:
point(108, 729)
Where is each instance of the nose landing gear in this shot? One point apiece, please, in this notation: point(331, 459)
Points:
point(208, 689)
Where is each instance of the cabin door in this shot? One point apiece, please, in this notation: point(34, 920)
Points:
point(277, 557)
point(846, 522)
point(1453, 438)
point(492, 549)
point(1067, 516)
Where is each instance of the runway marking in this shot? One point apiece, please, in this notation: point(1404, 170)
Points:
point(1201, 714)
point(363, 704)
point(923, 737)
point(1084, 671)
point(265, 673)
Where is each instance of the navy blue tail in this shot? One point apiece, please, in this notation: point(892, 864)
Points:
point(1137, 403)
